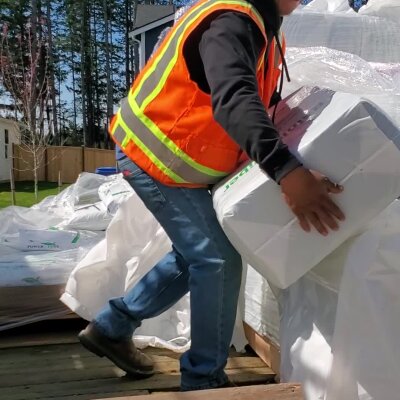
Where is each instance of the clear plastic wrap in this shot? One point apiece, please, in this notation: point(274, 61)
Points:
point(343, 317)
point(389, 9)
point(367, 326)
point(327, 6)
point(347, 73)
point(260, 306)
point(36, 258)
point(372, 38)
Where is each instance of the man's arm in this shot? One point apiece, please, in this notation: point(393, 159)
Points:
point(229, 50)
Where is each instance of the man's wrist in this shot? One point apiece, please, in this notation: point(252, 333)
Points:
point(286, 169)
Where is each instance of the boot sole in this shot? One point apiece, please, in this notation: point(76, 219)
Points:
point(93, 348)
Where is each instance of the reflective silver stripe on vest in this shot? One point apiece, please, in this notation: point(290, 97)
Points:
point(119, 134)
point(161, 152)
point(151, 82)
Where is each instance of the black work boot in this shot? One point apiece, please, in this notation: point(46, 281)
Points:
point(123, 354)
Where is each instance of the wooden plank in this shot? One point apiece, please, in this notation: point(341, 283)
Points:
point(260, 392)
point(74, 349)
point(95, 158)
point(66, 159)
point(63, 371)
point(107, 396)
point(66, 351)
point(264, 348)
point(100, 391)
point(41, 391)
point(23, 162)
point(162, 364)
point(76, 369)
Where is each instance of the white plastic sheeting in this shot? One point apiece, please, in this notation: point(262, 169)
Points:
point(341, 322)
point(389, 9)
point(260, 306)
point(328, 6)
point(39, 246)
point(366, 356)
point(308, 314)
point(348, 350)
point(343, 137)
point(346, 73)
point(374, 39)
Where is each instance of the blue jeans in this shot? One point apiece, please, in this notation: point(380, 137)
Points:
point(202, 261)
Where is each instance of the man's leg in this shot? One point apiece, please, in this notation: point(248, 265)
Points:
point(156, 292)
point(203, 260)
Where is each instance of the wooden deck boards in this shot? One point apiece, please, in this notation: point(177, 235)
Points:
point(52, 365)
point(259, 392)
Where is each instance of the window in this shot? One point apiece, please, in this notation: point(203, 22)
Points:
point(6, 141)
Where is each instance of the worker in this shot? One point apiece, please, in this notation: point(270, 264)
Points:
point(198, 108)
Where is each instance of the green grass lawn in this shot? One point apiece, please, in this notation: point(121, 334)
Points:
point(25, 196)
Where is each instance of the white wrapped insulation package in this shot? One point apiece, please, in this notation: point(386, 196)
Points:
point(389, 9)
point(371, 38)
point(340, 135)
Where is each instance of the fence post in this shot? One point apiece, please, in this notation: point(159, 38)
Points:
point(14, 158)
point(59, 181)
point(46, 166)
point(83, 158)
point(12, 184)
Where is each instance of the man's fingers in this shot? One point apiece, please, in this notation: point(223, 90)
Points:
point(333, 209)
point(327, 219)
point(304, 223)
point(313, 218)
point(332, 187)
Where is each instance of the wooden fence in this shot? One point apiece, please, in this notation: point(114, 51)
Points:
point(70, 161)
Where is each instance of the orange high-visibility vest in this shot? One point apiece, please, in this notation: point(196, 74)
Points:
point(166, 123)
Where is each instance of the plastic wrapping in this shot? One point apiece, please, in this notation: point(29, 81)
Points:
point(343, 137)
point(260, 306)
point(367, 324)
point(389, 9)
point(346, 350)
point(347, 73)
point(343, 317)
point(308, 313)
point(41, 245)
point(371, 38)
point(328, 6)
point(31, 284)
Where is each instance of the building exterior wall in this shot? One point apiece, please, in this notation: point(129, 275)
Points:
point(8, 135)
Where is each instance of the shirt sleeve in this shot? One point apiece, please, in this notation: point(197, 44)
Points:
point(229, 50)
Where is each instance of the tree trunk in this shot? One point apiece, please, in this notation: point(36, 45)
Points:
point(51, 80)
point(135, 44)
point(35, 172)
point(83, 77)
point(108, 65)
point(96, 85)
point(33, 72)
point(128, 28)
point(74, 89)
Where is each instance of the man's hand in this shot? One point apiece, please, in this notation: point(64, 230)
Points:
point(307, 193)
